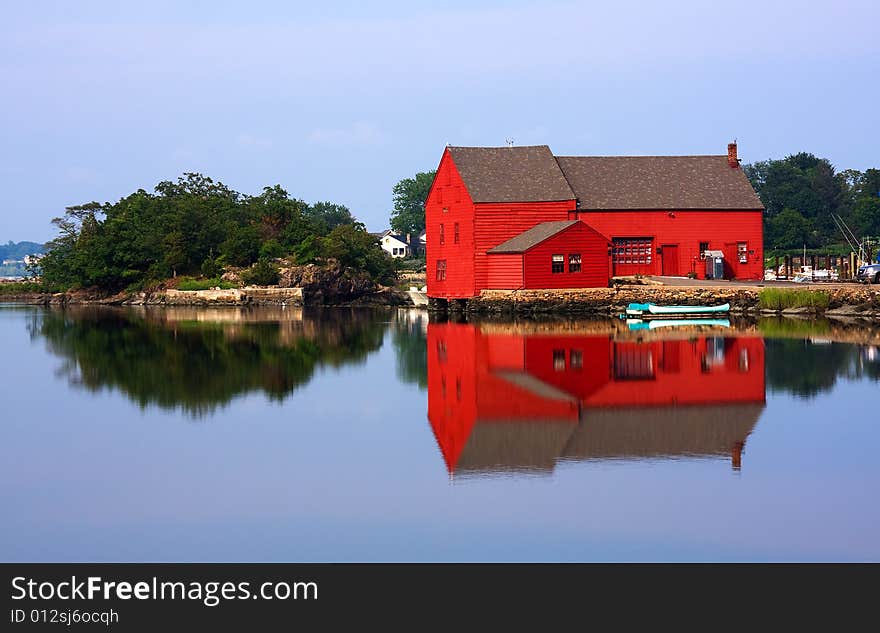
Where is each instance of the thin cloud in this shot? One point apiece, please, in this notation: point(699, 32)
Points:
point(360, 133)
point(249, 141)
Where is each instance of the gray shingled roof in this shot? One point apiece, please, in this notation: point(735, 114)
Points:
point(532, 237)
point(658, 182)
point(511, 174)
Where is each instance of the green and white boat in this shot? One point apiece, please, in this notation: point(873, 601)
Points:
point(651, 310)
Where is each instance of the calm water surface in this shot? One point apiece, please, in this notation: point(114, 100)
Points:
point(279, 435)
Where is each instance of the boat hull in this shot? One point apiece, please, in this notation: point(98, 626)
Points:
point(652, 311)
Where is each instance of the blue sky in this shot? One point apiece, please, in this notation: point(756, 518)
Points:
point(340, 101)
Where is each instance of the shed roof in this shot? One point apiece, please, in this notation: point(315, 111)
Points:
point(658, 182)
point(511, 174)
point(532, 237)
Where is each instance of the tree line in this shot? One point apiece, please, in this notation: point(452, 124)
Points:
point(18, 250)
point(196, 226)
point(804, 197)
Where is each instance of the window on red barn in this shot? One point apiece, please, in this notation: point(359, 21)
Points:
point(455, 233)
point(559, 359)
point(441, 270)
point(742, 252)
point(704, 246)
point(442, 234)
point(557, 264)
point(574, 263)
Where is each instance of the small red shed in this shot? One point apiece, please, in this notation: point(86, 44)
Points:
point(562, 254)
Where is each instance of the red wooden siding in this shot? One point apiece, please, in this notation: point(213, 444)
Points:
point(505, 271)
point(449, 203)
point(498, 222)
point(686, 229)
point(709, 370)
point(579, 239)
point(553, 359)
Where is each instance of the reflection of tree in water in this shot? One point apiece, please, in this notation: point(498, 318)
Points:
point(409, 337)
point(805, 368)
point(199, 365)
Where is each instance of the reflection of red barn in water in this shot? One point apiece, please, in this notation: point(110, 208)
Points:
point(501, 402)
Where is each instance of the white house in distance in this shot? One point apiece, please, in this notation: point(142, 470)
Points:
point(395, 245)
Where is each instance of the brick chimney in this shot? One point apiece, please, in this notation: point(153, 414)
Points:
point(732, 160)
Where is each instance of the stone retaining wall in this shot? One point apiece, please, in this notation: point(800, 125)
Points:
point(249, 295)
point(852, 301)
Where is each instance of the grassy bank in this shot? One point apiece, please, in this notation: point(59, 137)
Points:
point(784, 298)
point(22, 288)
point(189, 283)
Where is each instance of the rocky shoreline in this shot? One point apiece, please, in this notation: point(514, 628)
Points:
point(309, 284)
point(247, 296)
point(851, 301)
point(841, 302)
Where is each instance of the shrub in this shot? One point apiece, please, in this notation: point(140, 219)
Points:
point(353, 247)
point(263, 273)
point(21, 288)
point(271, 249)
point(211, 268)
point(782, 298)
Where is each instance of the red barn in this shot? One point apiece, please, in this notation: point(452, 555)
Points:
point(519, 217)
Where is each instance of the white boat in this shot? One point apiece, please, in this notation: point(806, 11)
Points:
point(655, 309)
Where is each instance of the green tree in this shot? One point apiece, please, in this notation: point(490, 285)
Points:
point(789, 230)
point(353, 247)
point(866, 217)
point(410, 194)
point(326, 216)
point(810, 186)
